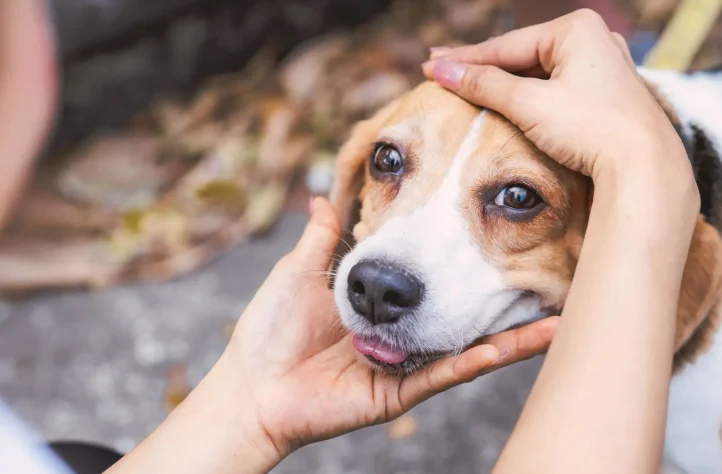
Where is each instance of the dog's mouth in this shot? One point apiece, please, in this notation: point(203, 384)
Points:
point(392, 359)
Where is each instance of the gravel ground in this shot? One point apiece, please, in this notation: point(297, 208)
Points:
point(93, 366)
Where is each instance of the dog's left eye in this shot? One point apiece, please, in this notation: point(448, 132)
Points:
point(387, 159)
point(517, 197)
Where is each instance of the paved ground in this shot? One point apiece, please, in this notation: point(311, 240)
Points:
point(93, 366)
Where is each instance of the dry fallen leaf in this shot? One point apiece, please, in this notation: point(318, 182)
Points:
point(228, 328)
point(376, 91)
point(29, 263)
point(116, 172)
point(403, 427)
point(264, 206)
point(226, 194)
point(44, 212)
point(177, 387)
point(301, 72)
point(464, 16)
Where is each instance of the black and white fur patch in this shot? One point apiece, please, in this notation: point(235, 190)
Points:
point(693, 443)
point(697, 99)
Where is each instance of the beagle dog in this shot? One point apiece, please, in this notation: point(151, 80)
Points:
point(463, 229)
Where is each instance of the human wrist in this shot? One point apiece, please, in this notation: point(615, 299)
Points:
point(233, 413)
point(643, 216)
point(651, 177)
point(213, 431)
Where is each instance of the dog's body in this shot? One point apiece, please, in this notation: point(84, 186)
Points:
point(466, 229)
point(694, 424)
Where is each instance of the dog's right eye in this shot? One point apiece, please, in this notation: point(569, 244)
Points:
point(387, 160)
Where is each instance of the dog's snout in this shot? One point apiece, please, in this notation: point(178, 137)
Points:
point(382, 293)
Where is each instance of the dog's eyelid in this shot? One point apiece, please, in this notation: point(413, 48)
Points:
point(375, 146)
point(389, 141)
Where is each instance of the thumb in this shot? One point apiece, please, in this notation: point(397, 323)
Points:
point(488, 86)
point(524, 342)
point(445, 374)
point(320, 238)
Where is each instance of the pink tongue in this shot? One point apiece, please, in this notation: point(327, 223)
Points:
point(379, 350)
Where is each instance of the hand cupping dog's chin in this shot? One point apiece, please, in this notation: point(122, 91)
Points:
point(394, 360)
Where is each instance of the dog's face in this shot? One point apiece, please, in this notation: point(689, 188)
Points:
point(465, 229)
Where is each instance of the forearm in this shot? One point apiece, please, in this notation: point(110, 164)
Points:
point(213, 431)
point(599, 403)
point(27, 93)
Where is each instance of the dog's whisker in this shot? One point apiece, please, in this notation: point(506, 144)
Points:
point(337, 326)
point(318, 272)
point(347, 244)
point(498, 152)
point(293, 300)
point(460, 346)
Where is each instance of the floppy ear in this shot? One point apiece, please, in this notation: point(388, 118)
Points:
point(347, 185)
point(701, 281)
point(350, 168)
point(345, 195)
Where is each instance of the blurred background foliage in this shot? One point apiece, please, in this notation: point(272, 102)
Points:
point(187, 125)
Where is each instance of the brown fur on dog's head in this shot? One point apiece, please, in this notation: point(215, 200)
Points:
point(453, 180)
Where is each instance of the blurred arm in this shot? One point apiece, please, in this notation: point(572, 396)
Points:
point(27, 93)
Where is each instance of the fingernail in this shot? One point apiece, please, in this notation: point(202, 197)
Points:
point(438, 51)
point(449, 73)
point(311, 200)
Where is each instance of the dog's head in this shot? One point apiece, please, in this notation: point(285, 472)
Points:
point(465, 229)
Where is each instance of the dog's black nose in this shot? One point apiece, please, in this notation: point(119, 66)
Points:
point(382, 293)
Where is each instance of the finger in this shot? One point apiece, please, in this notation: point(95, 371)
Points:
point(524, 342)
point(537, 72)
point(489, 86)
point(515, 51)
point(446, 373)
point(441, 52)
point(527, 48)
point(320, 238)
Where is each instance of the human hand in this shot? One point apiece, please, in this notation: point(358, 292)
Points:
point(581, 102)
point(296, 369)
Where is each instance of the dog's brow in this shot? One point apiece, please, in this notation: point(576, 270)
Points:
point(516, 134)
point(423, 110)
point(400, 131)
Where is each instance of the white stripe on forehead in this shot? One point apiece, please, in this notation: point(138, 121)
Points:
point(449, 188)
